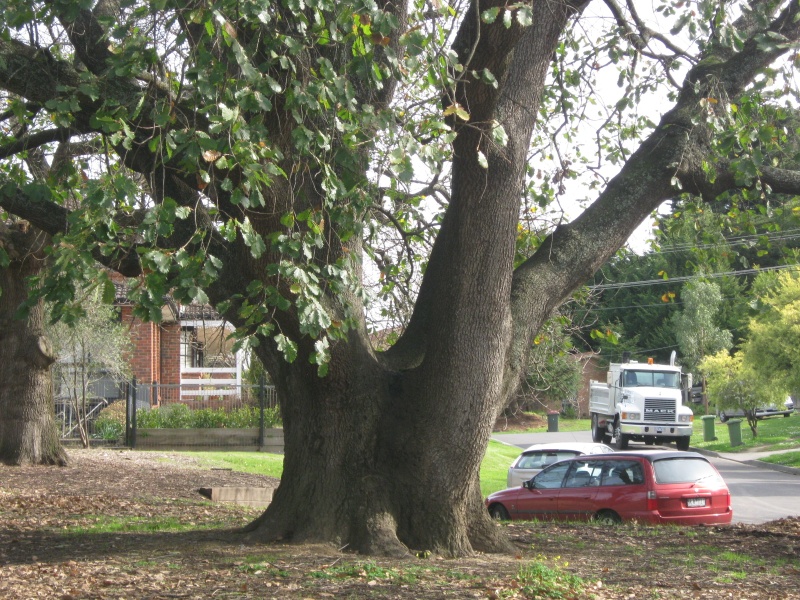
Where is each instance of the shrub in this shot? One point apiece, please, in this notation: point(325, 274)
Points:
point(110, 422)
point(180, 416)
point(108, 429)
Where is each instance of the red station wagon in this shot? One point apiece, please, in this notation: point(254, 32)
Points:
point(655, 487)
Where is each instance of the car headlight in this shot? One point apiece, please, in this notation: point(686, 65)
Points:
point(685, 418)
point(631, 416)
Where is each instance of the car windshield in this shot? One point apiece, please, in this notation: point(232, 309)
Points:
point(683, 470)
point(663, 379)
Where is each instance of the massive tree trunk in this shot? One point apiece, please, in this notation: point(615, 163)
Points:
point(28, 433)
point(379, 463)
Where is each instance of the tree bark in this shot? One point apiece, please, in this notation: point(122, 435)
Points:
point(378, 464)
point(28, 433)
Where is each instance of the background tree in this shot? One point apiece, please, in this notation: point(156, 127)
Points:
point(89, 350)
point(249, 154)
point(733, 386)
point(28, 433)
point(553, 375)
point(772, 348)
point(696, 331)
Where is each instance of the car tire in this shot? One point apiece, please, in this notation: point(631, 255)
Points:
point(723, 417)
point(682, 443)
point(607, 517)
point(499, 513)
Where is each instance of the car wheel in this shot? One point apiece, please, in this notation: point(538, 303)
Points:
point(723, 417)
point(682, 443)
point(499, 513)
point(608, 517)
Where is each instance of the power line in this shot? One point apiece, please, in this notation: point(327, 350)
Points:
point(647, 282)
point(742, 240)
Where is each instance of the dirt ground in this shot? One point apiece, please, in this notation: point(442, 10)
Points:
point(121, 524)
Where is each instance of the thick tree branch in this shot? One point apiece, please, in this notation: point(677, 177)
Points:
point(35, 140)
point(677, 148)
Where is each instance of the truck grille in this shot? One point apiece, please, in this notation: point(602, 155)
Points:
point(660, 409)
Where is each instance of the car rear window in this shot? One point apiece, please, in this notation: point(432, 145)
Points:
point(541, 458)
point(683, 470)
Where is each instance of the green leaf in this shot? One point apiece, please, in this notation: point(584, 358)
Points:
point(490, 15)
point(499, 135)
point(253, 239)
point(287, 347)
point(109, 291)
point(482, 161)
point(525, 16)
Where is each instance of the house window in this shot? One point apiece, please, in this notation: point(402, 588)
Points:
point(191, 349)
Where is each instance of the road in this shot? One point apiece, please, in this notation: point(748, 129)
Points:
point(759, 494)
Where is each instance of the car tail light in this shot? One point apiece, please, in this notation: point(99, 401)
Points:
point(652, 500)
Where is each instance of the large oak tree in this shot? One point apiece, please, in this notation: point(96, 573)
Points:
point(253, 153)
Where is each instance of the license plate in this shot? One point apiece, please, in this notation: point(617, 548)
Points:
point(659, 430)
point(696, 502)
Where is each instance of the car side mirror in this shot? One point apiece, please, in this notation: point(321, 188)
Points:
point(528, 484)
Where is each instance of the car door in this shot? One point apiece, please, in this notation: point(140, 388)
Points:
point(539, 500)
point(623, 488)
point(576, 499)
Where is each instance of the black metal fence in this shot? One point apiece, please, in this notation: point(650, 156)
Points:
point(135, 396)
point(195, 397)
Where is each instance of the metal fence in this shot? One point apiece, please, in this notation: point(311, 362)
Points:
point(100, 394)
point(199, 396)
point(136, 396)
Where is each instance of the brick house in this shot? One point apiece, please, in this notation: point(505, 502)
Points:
point(190, 345)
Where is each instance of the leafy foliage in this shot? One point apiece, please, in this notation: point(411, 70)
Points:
point(695, 329)
point(180, 416)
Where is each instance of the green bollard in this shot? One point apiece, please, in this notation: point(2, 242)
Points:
point(709, 435)
point(552, 420)
point(735, 432)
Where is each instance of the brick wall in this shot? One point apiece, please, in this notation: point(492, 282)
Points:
point(171, 353)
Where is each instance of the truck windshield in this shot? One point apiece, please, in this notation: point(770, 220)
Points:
point(663, 379)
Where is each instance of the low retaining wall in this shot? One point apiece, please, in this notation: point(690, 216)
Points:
point(207, 439)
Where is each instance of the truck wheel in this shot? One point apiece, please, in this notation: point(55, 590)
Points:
point(621, 439)
point(597, 433)
point(682, 443)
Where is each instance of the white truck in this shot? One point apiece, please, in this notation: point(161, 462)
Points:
point(641, 402)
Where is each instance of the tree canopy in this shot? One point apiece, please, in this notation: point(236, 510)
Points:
point(254, 154)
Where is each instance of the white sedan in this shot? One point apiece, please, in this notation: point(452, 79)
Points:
point(537, 457)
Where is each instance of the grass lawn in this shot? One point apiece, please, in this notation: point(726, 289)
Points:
point(493, 469)
point(775, 433)
point(261, 463)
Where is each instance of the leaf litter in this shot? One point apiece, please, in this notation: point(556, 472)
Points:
point(92, 531)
